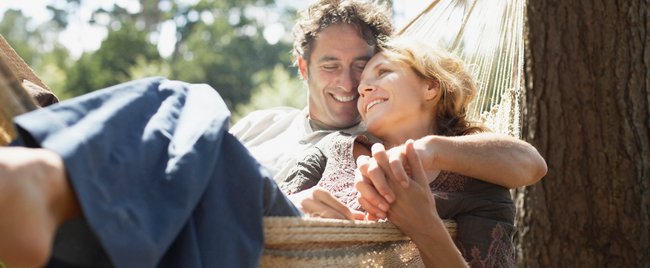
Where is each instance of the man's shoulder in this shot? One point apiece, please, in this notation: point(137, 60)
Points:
point(268, 116)
point(271, 113)
point(255, 122)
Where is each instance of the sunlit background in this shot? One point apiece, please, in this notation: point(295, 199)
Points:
point(241, 48)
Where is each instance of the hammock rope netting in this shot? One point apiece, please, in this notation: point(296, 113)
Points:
point(487, 35)
point(13, 98)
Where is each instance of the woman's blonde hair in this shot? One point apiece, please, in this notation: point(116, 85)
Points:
point(457, 87)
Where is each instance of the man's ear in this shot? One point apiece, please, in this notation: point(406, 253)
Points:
point(302, 67)
point(433, 89)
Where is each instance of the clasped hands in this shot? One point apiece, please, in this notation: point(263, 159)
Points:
point(391, 183)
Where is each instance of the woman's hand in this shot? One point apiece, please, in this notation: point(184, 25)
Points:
point(371, 182)
point(373, 174)
point(413, 200)
point(414, 213)
point(318, 202)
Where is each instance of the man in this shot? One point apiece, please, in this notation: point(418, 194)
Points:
point(333, 40)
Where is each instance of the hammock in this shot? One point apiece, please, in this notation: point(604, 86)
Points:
point(488, 35)
point(14, 100)
point(317, 242)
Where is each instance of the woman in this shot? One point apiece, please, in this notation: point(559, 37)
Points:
point(409, 91)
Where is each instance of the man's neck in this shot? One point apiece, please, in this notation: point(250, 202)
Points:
point(317, 125)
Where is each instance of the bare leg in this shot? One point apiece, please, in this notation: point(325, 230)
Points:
point(35, 198)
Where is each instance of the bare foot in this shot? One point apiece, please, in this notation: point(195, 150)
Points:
point(35, 198)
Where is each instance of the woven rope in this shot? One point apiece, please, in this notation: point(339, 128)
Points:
point(317, 242)
point(14, 100)
point(17, 65)
point(488, 36)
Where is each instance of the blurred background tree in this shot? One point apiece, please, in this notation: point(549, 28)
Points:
point(239, 47)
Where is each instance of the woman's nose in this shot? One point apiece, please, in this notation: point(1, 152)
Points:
point(365, 88)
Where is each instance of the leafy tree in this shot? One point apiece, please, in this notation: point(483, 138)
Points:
point(110, 64)
point(216, 42)
point(227, 57)
point(226, 49)
point(282, 90)
point(52, 70)
point(144, 68)
point(14, 28)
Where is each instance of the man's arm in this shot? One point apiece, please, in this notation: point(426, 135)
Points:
point(494, 158)
point(306, 173)
point(302, 190)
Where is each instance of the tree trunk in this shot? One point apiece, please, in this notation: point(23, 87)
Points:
point(587, 110)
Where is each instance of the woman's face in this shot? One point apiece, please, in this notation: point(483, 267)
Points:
point(394, 101)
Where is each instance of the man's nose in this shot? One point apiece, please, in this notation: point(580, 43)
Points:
point(348, 80)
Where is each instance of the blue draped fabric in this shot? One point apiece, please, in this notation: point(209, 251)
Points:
point(160, 180)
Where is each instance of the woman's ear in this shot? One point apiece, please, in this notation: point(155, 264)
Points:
point(302, 67)
point(433, 89)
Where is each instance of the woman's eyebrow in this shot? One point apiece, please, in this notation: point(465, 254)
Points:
point(378, 65)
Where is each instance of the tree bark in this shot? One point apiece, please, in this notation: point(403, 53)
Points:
point(587, 110)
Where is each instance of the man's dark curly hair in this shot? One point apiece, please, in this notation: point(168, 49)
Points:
point(371, 18)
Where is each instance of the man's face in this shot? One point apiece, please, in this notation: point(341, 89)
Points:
point(337, 60)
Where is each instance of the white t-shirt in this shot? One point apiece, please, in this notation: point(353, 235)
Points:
point(277, 137)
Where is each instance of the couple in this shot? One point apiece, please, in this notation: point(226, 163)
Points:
point(409, 91)
point(159, 181)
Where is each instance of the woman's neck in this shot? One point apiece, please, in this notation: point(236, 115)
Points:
point(399, 137)
point(410, 128)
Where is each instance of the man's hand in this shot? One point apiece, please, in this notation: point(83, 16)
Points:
point(319, 202)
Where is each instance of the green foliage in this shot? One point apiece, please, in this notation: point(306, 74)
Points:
point(110, 64)
point(277, 88)
point(144, 68)
point(52, 71)
point(225, 58)
point(14, 28)
point(226, 50)
point(218, 42)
